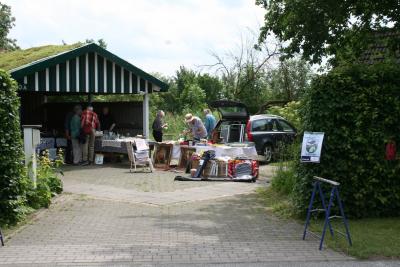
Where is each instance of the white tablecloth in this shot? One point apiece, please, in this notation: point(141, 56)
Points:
point(220, 151)
point(228, 151)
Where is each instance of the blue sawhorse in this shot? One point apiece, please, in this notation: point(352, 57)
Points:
point(326, 209)
point(1, 238)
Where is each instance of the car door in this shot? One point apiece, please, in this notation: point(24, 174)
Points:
point(288, 131)
point(263, 132)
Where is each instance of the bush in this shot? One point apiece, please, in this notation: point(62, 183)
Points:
point(13, 182)
point(48, 184)
point(358, 108)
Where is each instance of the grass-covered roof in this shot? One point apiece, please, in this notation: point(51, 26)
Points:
point(14, 59)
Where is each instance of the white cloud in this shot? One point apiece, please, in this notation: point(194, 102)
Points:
point(156, 35)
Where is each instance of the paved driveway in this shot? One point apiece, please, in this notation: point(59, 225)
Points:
point(109, 215)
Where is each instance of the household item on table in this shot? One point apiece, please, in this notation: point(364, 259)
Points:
point(139, 157)
point(214, 169)
point(98, 159)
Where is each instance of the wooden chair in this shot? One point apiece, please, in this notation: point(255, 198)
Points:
point(139, 157)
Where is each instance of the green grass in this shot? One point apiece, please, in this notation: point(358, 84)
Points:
point(17, 58)
point(373, 238)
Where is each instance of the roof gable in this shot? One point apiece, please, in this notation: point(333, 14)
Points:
point(86, 69)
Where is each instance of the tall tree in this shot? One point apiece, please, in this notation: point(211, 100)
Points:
point(319, 28)
point(289, 80)
point(7, 21)
point(243, 71)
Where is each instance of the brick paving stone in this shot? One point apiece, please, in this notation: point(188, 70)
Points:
point(80, 229)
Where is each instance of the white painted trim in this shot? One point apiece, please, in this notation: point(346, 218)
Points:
point(105, 90)
point(122, 80)
point(96, 74)
point(36, 81)
point(138, 84)
point(25, 85)
point(87, 72)
point(130, 82)
point(47, 80)
point(146, 116)
point(58, 78)
point(67, 76)
point(113, 77)
point(146, 86)
point(77, 74)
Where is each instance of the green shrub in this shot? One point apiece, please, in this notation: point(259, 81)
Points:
point(13, 182)
point(48, 184)
point(358, 108)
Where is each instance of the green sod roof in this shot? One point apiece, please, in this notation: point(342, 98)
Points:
point(14, 59)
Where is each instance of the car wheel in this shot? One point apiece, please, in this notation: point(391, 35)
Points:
point(268, 151)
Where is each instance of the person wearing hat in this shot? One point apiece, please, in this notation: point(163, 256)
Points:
point(196, 127)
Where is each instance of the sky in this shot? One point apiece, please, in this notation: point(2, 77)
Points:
point(154, 35)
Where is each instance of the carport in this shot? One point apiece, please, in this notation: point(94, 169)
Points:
point(87, 70)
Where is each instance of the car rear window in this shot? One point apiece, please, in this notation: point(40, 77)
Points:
point(264, 125)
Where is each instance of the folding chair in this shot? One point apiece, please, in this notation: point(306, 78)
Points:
point(140, 156)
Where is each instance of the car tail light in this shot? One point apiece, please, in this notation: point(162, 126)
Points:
point(248, 131)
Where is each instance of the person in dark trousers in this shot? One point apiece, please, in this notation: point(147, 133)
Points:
point(67, 131)
point(107, 121)
point(159, 126)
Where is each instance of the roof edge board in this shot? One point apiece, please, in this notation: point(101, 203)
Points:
point(40, 64)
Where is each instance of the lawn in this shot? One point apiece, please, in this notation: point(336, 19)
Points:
point(373, 238)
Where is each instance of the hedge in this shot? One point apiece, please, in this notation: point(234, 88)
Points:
point(358, 108)
point(13, 181)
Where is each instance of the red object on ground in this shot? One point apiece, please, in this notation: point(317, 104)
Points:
point(390, 151)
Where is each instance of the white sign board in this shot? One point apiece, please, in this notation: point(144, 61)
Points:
point(311, 147)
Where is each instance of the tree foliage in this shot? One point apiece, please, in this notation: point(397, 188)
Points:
point(358, 108)
point(289, 80)
point(12, 184)
point(319, 28)
point(7, 21)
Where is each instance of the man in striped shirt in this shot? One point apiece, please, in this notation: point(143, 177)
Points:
point(89, 123)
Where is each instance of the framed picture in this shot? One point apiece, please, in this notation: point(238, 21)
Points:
point(162, 155)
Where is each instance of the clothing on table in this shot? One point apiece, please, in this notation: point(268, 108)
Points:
point(209, 123)
point(88, 147)
point(76, 150)
point(106, 121)
point(198, 129)
point(158, 136)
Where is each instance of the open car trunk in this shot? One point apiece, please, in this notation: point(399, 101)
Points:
point(231, 110)
point(231, 127)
